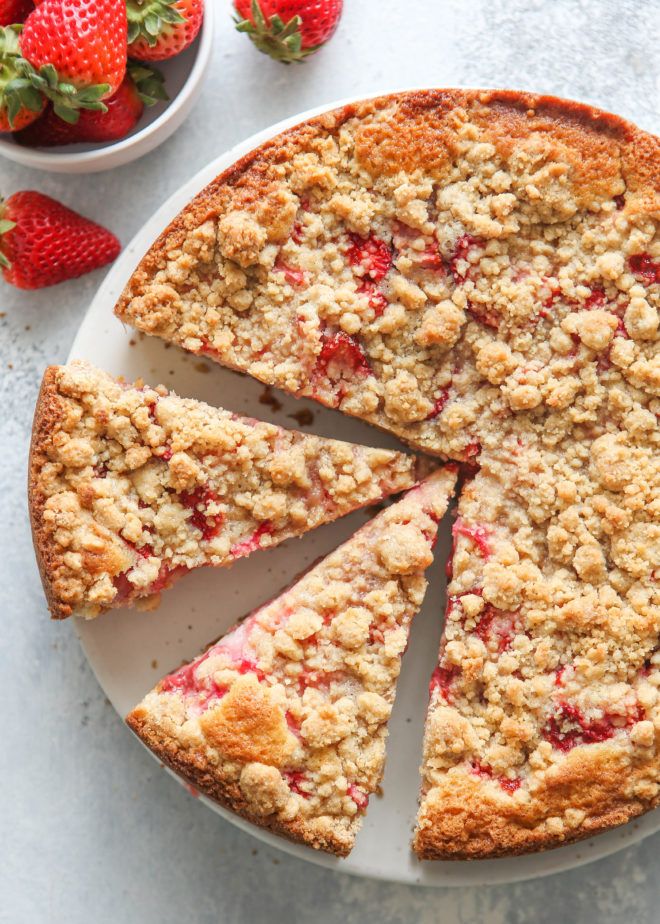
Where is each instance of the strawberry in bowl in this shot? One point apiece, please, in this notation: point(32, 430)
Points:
point(77, 72)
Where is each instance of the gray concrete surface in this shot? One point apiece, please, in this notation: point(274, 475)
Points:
point(92, 830)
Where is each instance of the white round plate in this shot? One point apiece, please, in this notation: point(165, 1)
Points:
point(130, 651)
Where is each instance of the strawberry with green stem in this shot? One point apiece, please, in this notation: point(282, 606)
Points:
point(20, 102)
point(74, 52)
point(160, 29)
point(42, 242)
point(142, 86)
point(288, 30)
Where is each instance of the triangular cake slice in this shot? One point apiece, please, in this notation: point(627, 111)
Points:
point(284, 719)
point(544, 711)
point(131, 486)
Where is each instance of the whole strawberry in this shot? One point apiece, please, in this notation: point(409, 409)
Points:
point(75, 52)
point(43, 242)
point(160, 29)
point(141, 87)
point(14, 11)
point(288, 30)
point(20, 102)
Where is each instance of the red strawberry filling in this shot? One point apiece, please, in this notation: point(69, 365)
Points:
point(497, 626)
point(484, 771)
point(253, 542)
point(559, 675)
point(460, 255)
point(209, 525)
point(477, 534)
point(185, 682)
point(472, 449)
point(341, 359)
point(442, 679)
point(166, 577)
point(360, 798)
point(642, 264)
point(439, 404)
point(483, 314)
point(568, 727)
point(293, 275)
point(294, 778)
point(377, 300)
point(430, 258)
point(371, 253)
point(597, 299)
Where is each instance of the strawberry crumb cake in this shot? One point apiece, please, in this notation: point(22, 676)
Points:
point(284, 719)
point(477, 273)
point(131, 487)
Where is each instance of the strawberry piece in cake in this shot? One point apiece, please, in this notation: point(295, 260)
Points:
point(131, 487)
point(284, 719)
point(544, 706)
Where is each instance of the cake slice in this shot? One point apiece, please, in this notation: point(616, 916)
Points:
point(284, 719)
point(544, 714)
point(131, 487)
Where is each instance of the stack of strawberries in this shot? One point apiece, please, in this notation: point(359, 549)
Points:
point(75, 70)
point(78, 71)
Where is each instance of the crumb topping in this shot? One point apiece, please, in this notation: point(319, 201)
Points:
point(136, 486)
point(292, 705)
point(478, 274)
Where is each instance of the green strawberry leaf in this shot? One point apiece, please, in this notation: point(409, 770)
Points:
point(148, 81)
point(9, 40)
point(282, 41)
point(65, 112)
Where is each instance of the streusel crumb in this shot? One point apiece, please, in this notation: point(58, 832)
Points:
point(284, 719)
point(479, 274)
point(131, 487)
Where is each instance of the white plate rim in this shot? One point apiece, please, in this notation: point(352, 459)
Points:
point(454, 873)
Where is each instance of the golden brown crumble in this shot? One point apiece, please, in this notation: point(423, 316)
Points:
point(133, 486)
point(479, 274)
point(285, 718)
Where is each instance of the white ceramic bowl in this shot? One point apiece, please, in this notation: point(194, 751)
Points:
point(183, 74)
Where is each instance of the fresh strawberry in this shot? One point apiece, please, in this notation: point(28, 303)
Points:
point(14, 11)
point(288, 30)
point(43, 242)
point(160, 29)
point(20, 102)
point(75, 52)
point(141, 87)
